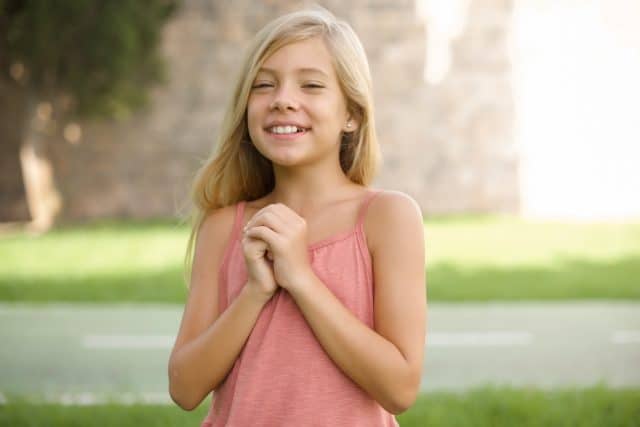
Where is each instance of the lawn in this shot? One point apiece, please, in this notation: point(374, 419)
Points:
point(468, 259)
point(491, 407)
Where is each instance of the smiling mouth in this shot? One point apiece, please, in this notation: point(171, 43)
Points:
point(287, 130)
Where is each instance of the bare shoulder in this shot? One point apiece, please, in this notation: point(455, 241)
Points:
point(213, 237)
point(211, 240)
point(393, 205)
point(218, 222)
point(392, 213)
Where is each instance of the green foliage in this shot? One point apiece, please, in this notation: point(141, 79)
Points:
point(102, 53)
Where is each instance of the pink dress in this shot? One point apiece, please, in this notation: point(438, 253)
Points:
point(283, 377)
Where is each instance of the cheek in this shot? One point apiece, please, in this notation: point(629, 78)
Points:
point(336, 109)
point(333, 115)
point(252, 124)
point(254, 117)
point(251, 112)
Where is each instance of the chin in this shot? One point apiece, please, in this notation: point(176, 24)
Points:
point(284, 157)
point(287, 161)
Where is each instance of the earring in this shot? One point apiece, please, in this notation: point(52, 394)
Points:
point(349, 124)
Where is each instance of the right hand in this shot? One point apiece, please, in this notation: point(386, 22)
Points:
point(261, 280)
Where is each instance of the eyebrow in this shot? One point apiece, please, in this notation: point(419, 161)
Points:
point(300, 70)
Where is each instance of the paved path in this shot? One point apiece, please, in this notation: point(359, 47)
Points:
point(86, 352)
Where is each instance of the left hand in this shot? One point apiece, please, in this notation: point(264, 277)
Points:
point(285, 232)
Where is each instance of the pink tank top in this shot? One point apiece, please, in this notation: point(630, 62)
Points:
point(282, 376)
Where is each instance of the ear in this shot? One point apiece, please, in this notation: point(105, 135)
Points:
point(350, 125)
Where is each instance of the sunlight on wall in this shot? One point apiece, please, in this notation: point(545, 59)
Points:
point(445, 21)
point(576, 67)
point(576, 85)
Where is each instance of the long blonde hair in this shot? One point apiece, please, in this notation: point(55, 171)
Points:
point(235, 170)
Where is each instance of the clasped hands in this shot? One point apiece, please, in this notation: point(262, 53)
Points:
point(284, 236)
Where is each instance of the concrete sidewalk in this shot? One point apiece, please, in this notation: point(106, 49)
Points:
point(80, 352)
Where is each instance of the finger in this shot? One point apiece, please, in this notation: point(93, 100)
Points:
point(269, 219)
point(285, 212)
point(254, 242)
point(289, 216)
point(255, 248)
point(266, 234)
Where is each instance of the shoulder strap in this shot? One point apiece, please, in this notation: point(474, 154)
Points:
point(237, 222)
point(365, 205)
point(222, 271)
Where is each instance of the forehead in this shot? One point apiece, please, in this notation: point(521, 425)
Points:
point(306, 56)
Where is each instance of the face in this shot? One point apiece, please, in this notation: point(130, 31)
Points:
point(296, 110)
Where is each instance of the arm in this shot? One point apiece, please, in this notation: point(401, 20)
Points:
point(385, 362)
point(207, 345)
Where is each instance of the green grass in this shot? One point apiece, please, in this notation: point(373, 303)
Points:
point(491, 407)
point(495, 258)
point(468, 259)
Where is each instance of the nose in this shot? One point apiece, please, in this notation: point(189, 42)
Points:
point(284, 100)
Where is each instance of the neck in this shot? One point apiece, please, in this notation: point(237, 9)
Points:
point(306, 189)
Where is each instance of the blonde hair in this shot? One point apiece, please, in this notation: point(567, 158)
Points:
point(235, 170)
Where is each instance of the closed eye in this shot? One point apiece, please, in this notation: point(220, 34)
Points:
point(261, 85)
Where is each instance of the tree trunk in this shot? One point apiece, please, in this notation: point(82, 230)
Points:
point(43, 197)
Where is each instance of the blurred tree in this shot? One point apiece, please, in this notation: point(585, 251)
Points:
point(66, 60)
point(101, 54)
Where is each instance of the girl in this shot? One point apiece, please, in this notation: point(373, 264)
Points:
point(286, 332)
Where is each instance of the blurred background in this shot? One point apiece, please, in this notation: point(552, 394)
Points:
point(513, 123)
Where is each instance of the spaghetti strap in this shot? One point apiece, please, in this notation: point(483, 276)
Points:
point(237, 223)
point(235, 233)
point(226, 258)
point(365, 205)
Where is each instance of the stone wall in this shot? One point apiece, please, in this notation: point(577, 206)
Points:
point(449, 145)
point(470, 159)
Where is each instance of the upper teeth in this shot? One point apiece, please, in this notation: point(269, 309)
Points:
point(285, 129)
